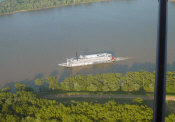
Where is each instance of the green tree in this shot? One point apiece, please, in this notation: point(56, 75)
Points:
point(53, 83)
point(138, 100)
point(6, 89)
point(38, 82)
point(170, 118)
point(20, 86)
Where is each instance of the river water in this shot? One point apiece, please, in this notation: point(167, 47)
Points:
point(33, 43)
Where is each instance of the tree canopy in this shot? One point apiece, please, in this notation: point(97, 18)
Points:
point(131, 81)
point(25, 106)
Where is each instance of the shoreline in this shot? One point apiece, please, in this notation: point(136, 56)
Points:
point(45, 8)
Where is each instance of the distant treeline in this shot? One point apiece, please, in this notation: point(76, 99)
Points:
point(25, 106)
point(11, 6)
point(131, 81)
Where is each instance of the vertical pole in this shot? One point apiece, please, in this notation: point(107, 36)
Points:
point(160, 85)
point(77, 56)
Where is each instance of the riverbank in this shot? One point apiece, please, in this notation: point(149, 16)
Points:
point(44, 8)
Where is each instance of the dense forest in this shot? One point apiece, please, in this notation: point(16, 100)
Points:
point(131, 81)
point(25, 106)
point(11, 6)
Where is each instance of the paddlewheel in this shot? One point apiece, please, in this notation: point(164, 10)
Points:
point(113, 58)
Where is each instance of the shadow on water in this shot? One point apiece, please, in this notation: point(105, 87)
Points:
point(171, 67)
point(27, 82)
point(103, 68)
point(62, 72)
point(54, 73)
point(110, 68)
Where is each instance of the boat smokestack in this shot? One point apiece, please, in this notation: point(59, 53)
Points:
point(77, 56)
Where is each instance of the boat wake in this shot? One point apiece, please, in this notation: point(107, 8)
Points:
point(121, 58)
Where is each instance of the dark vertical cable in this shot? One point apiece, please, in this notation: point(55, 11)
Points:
point(160, 85)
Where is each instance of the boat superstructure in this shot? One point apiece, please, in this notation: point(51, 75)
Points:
point(83, 60)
